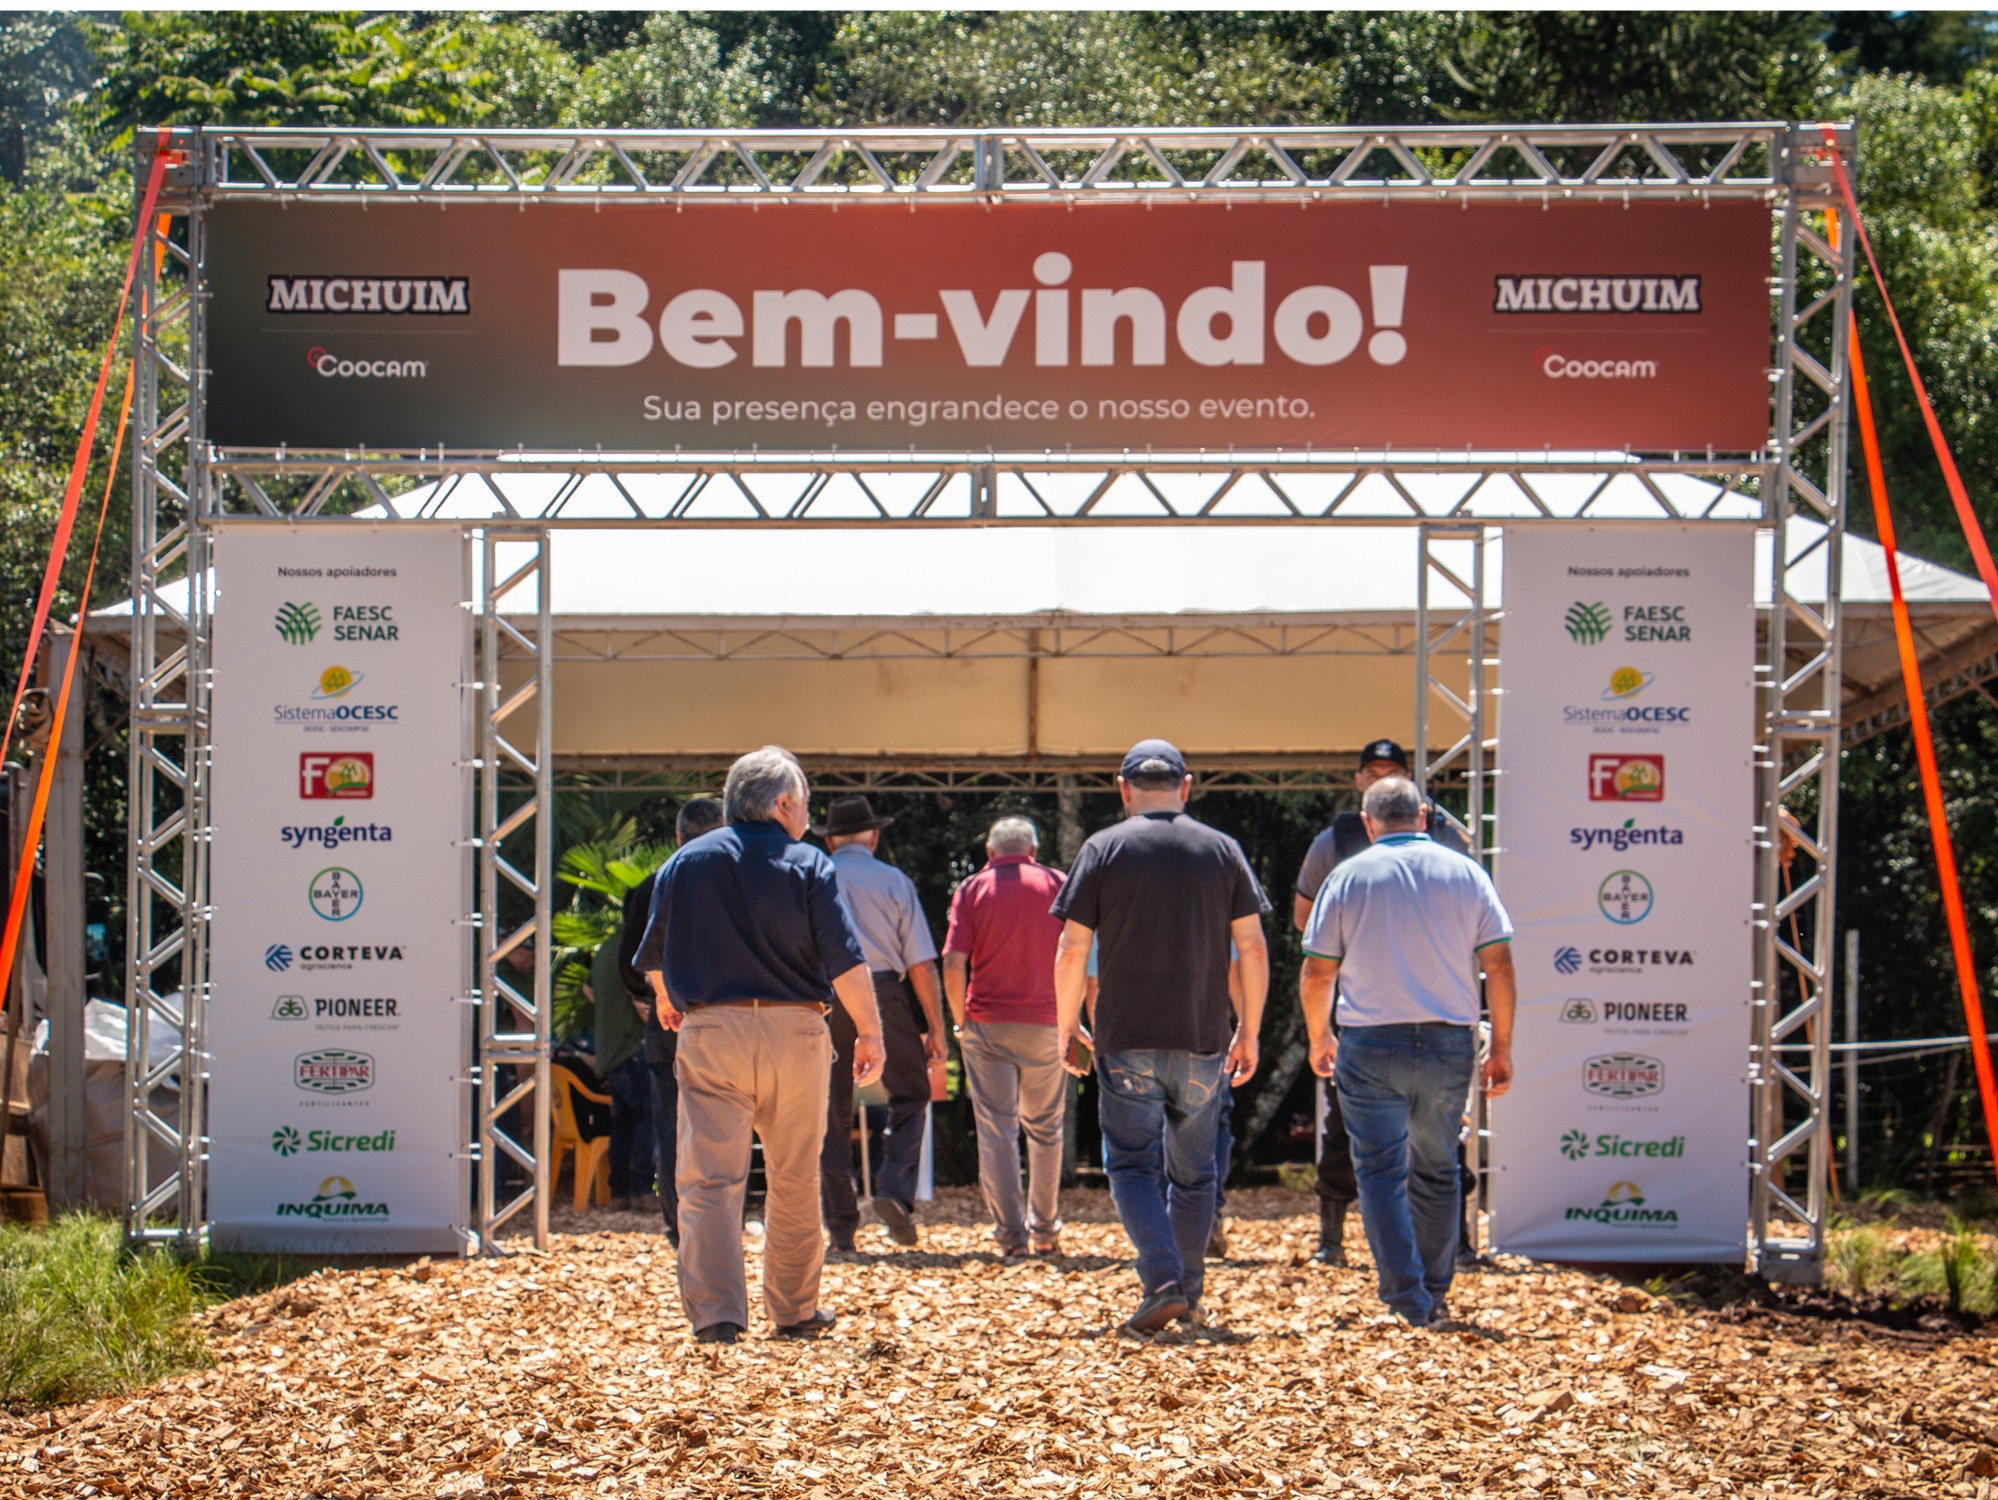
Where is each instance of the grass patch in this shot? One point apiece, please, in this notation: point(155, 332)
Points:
point(1960, 1268)
point(81, 1316)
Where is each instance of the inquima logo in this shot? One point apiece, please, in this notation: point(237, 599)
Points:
point(336, 1199)
point(1623, 1207)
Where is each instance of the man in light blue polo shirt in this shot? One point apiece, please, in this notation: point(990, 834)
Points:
point(1401, 929)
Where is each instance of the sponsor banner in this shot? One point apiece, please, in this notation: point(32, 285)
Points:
point(339, 877)
point(642, 327)
point(1626, 801)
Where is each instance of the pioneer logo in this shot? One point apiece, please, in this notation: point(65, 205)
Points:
point(348, 295)
point(1596, 294)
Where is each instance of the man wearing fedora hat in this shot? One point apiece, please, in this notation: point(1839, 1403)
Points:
point(895, 936)
point(1347, 836)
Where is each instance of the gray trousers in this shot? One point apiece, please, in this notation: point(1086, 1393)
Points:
point(760, 1068)
point(1017, 1083)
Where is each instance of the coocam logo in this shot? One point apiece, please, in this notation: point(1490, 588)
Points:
point(321, 776)
point(331, 836)
point(298, 624)
point(1557, 366)
point(1623, 1207)
point(335, 894)
point(1577, 1145)
point(1567, 960)
point(1623, 1075)
point(1588, 624)
point(333, 1070)
point(1577, 1012)
point(336, 1199)
point(277, 958)
point(286, 1141)
point(336, 682)
point(334, 367)
point(1625, 836)
point(289, 1008)
point(1625, 897)
point(1626, 778)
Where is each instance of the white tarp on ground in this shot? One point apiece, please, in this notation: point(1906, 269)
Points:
point(1626, 796)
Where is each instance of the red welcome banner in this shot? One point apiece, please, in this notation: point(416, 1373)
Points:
point(1020, 327)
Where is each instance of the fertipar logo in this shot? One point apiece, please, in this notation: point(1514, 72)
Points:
point(1578, 1145)
point(1626, 835)
point(298, 624)
point(1625, 898)
point(1595, 294)
point(432, 296)
point(1588, 623)
point(1623, 1207)
point(286, 1141)
point(333, 1070)
point(1624, 1075)
point(336, 1199)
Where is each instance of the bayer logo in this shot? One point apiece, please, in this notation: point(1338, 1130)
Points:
point(1567, 960)
point(1625, 898)
point(335, 894)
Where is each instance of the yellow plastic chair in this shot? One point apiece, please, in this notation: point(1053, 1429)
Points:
point(592, 1164)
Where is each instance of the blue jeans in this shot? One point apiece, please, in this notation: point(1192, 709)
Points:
point(1402, 1090)
point(631, 1148)
point(1158, 1110)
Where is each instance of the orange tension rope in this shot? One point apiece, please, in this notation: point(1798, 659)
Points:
point(1925, 752)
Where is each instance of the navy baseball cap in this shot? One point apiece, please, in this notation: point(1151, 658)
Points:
point(1384, 750)
point(1147, 750)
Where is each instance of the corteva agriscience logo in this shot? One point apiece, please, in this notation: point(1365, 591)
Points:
point(1595, 294)
point(1588, 624)
point(279, 957)
point(336, 1199)
point(333, 1070)
point(297, 624)
point(348, 296)
point(1623, 1207)
point(1622, 960)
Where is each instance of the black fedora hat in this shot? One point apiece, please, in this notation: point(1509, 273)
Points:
point(847, 816)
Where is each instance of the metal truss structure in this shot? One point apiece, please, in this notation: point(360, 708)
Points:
point(184, 486)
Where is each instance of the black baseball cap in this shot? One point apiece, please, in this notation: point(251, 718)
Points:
point(1384, 750)
point(1145, 750)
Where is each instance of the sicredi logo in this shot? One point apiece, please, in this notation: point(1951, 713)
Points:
point(1626, 778)
point(1626, 835)
point(1623, 1075)
point(604, 317)
point(1624, 897)
point(333, 1070)
point(434, 296)
point(286, 1141)
point(332, 835)
point(335, 894)
point(322, 776)
point(336, 1199)
point(1576, 1145)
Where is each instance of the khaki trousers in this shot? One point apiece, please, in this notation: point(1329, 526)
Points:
point(1017, 1084)
point(743, 1068)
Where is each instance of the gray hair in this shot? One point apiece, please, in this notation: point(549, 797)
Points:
point(1013, 836)
point(1393, 802)
point(757, 780)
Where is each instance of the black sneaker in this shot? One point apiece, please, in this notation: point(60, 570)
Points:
point(810, 1328)
point(900, 1222)
point(1156, 1311)
point(842, 1244)
point(718, 1333)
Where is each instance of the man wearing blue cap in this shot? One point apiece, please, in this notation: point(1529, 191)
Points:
point(1165, 895)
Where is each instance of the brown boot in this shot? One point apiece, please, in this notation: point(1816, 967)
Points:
point(1331, 1249)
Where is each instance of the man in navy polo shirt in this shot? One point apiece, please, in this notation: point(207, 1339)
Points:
point(747, 945)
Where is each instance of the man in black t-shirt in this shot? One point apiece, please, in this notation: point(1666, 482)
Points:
point(1165, 895)
point(1337, 1189)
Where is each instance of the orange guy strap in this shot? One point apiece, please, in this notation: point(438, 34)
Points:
point(80, 465)
point(1925, 751)
point(17, 903)
point(1973, 533)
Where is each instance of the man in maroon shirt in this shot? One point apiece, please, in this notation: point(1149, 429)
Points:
point(998, 974)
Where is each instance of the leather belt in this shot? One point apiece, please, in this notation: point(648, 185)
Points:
point(817, 1005)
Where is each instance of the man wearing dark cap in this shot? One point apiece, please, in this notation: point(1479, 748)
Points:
point(895, 936)
point(1165, 895)
point(1337, 1191)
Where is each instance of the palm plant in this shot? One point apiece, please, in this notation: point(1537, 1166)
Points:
point(603, 870)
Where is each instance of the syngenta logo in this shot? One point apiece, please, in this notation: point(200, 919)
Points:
point(336, 367)
point(435, 296)
point(333, 1070)
point(286, 1141)
point(297, 624)
point(1623, 1207)
point(1595, 294)
point(606, 317)
point(332, 835)
point(1623, 1075)
point(1577, 1145)
point(1588, 623)
point(1625, 836)
point(336, 1199)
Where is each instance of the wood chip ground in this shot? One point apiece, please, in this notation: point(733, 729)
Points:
point(954, 1374)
